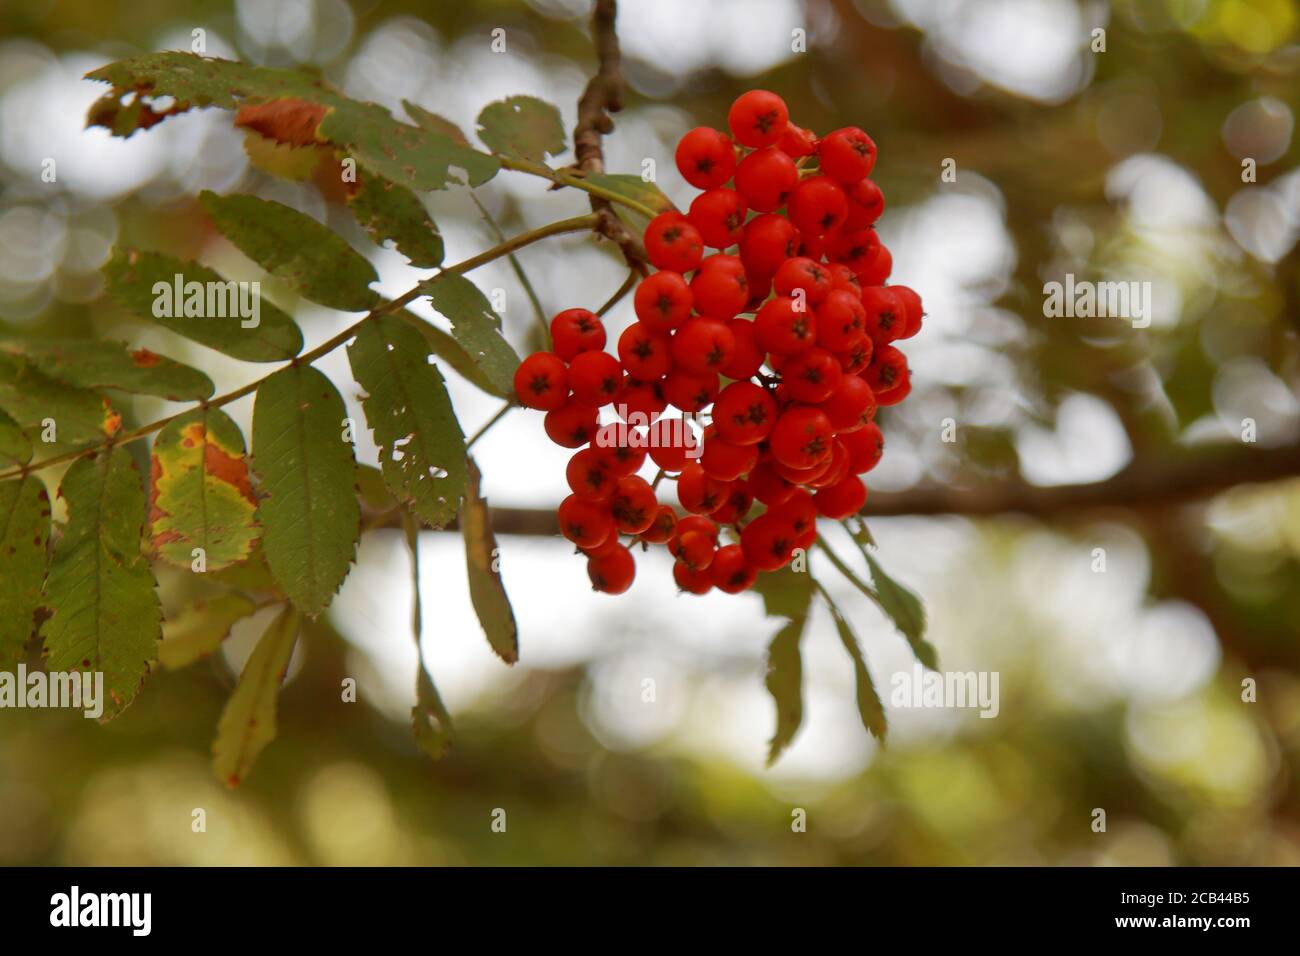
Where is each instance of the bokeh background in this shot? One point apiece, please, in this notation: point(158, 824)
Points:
point(1120, 690)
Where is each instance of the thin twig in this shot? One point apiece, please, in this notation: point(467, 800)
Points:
point(628, 284)
point(575, 224)
point(501, 413)
point(538, 312)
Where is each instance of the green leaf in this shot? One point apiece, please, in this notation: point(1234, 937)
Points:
point(475, 326)
point(421, 446)
point(435, 123)
point(100, 598)
point(374, 493)
point(388, 211)
point(638, 190)
point(74, 416)
point(199, 629)
point(309, 512)
point(870, 708)
point(486, 591)
point(248, 722)
point(430, 720)
point(295, 247)
point(137, 280)
point(522, 126)
point(905, 610)
point(24, 534)
point(450, 351)
point(786, 593)
point(15, 446)
point(421, 158)
point(91, 363)
point(201, 492)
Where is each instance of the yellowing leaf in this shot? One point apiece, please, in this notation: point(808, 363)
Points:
point(201, 493)
point(486, 591)
point(199, 629)
point(248, 722)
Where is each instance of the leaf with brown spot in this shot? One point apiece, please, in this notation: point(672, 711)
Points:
point(95, 363)
point(24, 533)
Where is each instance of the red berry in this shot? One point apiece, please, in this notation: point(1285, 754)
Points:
point(877, 267)
point(661, 529)
point(588, 475)
point(640, 403)
point(866, 203)
point(720, 292)
point(672, 243)
point(744, 413)
point(739, 501)
point(768, 542)
point(811, 376)
point(844, 278)
point(586, 523)
point(730, 571)
point(595, 377)
point(571, 425)
point(766, 485)
point(703, 345)
point(695, 581)
point(767, 242)
point(886, 319)
point(851, 406)
point(698, 523)
point(797, 141)
point(615, 445)
point(783, 329)
point(865, 446)
point(542, 381)
point(758, 118)
point(663, 301)
point(633, 505)
point(837, 467)
point(852, 248)
point(801, 437)
point(690, 393)
point(576, 330)
point(719, 215)
point(847, 154)
point(800, 512)
point(841, 321)
point(842, 499)
point(910, 303)
point(670, 443)
point(693, 549)
point(765, 178)
point(612, 571)
point(803, 476)
point(748, 357)
point(857, 356)
point(644, 352)
point(705, 157)
point(818, 205)
point(725, 461)
point(888, 376)
point(800, 272)
point(698, 492)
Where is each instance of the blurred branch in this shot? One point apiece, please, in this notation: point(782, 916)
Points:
point(1143, 486)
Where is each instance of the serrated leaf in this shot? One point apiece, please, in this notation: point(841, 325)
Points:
point(201, 493)
point(413, 156)
point(91, 363)
point(905, 610)
point(870, 708)
point(309, 513)
point(15, 446)
point(248, 722)
point(435, 123)
point(453, 353)
point(421, 446)
point(475, 326)
point(388, 211)
point(199, 629)
point(24, 534)
point(33, 400)
point(486, 590)
point(289, 244)
point(522, 126)
point(136, 281)
point(100, 597)
point(430, 721)
point(786, 593)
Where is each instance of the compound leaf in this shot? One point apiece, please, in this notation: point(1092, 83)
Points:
point(90, 363)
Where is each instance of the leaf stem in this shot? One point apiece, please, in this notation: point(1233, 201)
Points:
point(518, 267)
point(501, 413)
point(624, 289)
point(564, 178)
point(573, 224)
point(843, 568)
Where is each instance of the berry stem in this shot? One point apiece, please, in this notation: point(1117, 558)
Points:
point(843, 568)
point(628, 285)
point(574, 224)
point(518, 268)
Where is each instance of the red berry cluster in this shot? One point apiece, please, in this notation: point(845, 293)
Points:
point(788, 339)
